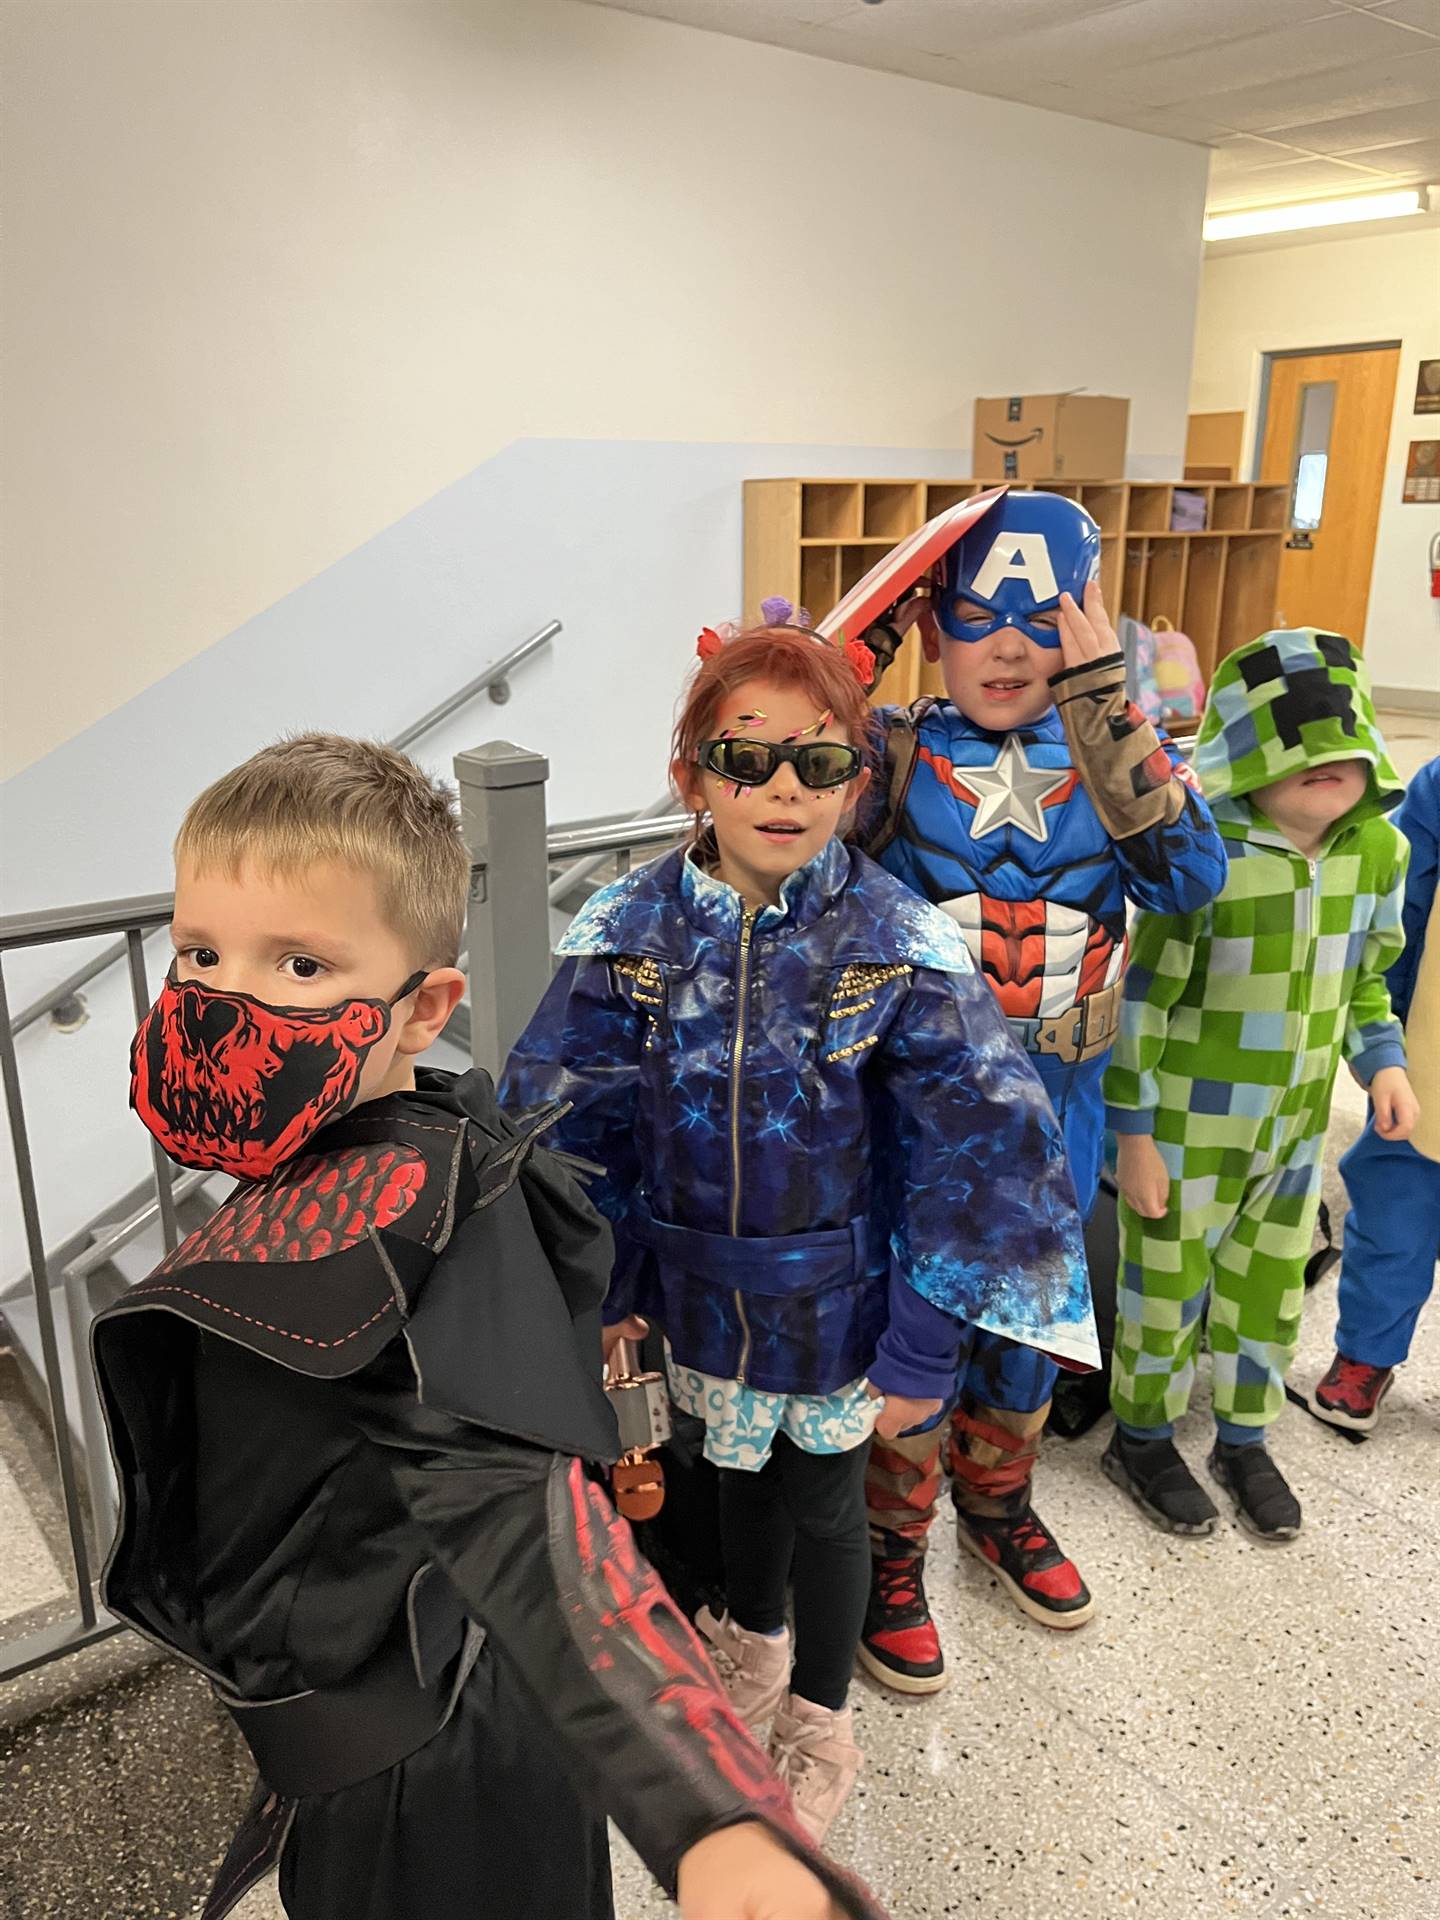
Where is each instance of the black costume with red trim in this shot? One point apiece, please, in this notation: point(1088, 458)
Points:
point(350, 1416)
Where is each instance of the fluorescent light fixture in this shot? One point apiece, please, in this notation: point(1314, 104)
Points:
point(1314, 213)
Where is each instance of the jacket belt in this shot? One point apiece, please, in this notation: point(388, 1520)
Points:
point(334, 1737)
point(778, 1264)
point(1079, 1033)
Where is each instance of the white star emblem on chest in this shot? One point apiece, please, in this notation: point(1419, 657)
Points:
point(1012, 793)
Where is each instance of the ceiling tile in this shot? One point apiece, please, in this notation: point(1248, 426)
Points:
point(942, 26)
point(1292, 180)
point(1410, 159)
point(1091, 46)
point(1309, 47)
point(1424, 14)
point(1281, 105)
point(1384, 125)
point(1240, 150)
point(1173, 123)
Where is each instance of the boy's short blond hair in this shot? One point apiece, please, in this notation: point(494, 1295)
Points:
point(318, 797)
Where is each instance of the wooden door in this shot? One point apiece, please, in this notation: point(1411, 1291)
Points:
point(1327, 425)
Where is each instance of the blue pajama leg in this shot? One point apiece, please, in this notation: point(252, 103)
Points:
point(1392, 1241)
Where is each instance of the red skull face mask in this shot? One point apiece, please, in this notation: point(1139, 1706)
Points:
point(232, 1085)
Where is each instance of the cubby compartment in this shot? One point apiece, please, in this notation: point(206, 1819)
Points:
point(1270, 508)
point(831, 510)
point(1149, 509)
point(941, 495)
point(1231, 511)
point(1247, 607)
point(1132, 580)
point(1204, 580)
point(855, 563)
point(892, 509)
point(813, 540)
point(1106, 506)
point(819, 580)
point(1165, 582)
point(1112, 553)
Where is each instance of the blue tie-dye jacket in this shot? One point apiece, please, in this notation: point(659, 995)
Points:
point(815, 1128)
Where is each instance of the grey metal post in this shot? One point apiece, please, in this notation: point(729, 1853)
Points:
point(502, 807)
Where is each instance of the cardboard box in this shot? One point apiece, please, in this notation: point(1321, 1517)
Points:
point(1051, 436)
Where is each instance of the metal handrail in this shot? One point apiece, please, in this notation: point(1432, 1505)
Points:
point(618, 837)
point(144, 913)
point(150, 910)
point(107, 1244)
point(572, 875)
point(494, 680)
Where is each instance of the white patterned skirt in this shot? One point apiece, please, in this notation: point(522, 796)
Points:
point(741, 1422)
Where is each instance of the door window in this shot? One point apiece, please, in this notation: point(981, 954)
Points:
point(1312, 454)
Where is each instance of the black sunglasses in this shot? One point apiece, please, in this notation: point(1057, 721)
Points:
point(754, 763)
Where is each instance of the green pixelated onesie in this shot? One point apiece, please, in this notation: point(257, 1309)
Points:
point(1235, 1020)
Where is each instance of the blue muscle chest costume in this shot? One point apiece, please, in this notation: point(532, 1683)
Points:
point(998, 830)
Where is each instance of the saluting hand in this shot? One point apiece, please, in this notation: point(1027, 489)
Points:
point(1086, 634)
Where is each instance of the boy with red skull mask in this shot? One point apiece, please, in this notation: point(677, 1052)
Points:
point(352, 1414)
point(1031, 804)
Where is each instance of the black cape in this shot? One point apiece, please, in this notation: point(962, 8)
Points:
point(356, 1420)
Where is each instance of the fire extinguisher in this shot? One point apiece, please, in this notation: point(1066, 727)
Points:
point(1435, 568)
point(642, 1411)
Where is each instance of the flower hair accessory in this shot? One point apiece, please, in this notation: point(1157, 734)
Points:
point(777, 611)
point(861, 659)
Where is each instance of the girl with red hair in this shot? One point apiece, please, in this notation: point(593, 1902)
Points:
point(825, 1159)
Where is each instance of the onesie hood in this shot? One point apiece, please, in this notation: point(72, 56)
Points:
point(1292, 699)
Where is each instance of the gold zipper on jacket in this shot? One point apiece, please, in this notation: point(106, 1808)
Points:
point(737, 1056)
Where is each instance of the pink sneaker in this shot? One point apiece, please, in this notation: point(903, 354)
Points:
point(754, 1668)
point(814, 1752)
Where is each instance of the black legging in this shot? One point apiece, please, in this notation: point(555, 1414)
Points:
point(807, 1509)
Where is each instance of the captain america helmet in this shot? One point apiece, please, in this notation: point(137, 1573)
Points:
point(1015, 562)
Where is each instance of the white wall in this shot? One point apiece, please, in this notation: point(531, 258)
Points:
point(280, 270)
point(1384, 286)
point(346, 343)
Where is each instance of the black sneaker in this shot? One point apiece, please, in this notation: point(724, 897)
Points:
point(1157, 1479)
point(1264, 1504)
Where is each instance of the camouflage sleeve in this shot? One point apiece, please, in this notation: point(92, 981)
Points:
point(1118, 754)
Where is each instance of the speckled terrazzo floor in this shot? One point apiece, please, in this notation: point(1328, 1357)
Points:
point(1240, 1729)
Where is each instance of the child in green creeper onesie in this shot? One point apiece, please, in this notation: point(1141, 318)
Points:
point(1235, 1019)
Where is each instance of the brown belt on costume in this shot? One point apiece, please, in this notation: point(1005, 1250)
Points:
point(1079, 1033)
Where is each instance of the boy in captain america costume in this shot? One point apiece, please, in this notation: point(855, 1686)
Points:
point(1030, 805)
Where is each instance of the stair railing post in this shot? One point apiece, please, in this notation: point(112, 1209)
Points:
point(502, 808)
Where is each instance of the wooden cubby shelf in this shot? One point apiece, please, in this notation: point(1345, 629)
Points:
point(813, 539)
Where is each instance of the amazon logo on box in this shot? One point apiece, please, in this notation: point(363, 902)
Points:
point(1051, 436)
